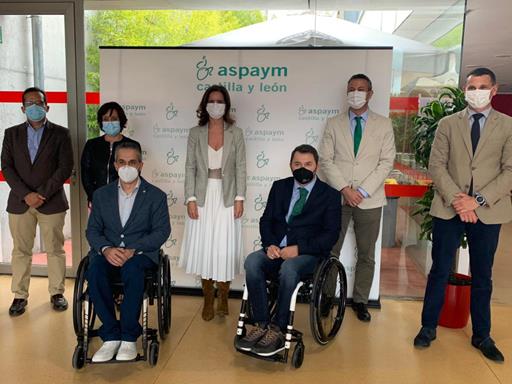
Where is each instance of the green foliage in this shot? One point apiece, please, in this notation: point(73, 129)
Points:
point(152, 28)
point(423, 209)
point(449, 101)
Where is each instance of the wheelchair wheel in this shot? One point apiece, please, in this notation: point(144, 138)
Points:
point(78, 361)
point(153, 353)
point(298, 355)
point(79, 296)
point(329, 297)
point(164, 296)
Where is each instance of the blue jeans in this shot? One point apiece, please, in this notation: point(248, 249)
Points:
point(100, 275)
point(483, 241)
point(258, 268)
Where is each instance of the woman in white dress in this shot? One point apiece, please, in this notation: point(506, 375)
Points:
point(215, 186)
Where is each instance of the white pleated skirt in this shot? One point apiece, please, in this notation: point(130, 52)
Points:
point(212, 244)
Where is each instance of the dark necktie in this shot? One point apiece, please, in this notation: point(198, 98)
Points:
point(475, 130)
point(475, 136)
point(358, 134)
point(299, 204)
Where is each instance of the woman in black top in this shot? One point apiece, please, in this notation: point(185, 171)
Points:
point(97, 163)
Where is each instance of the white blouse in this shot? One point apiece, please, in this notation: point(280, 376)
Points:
point(215, 162)
point(214, 158)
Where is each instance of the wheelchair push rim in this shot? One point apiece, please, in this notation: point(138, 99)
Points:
point(164, 296)
point(80, 294)
point(327, 308)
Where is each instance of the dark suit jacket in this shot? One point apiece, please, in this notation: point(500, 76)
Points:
point(52, 166)
point(147, 228)
point(315, 230)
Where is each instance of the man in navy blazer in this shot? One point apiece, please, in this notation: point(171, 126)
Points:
point(128, 224)
point(299, 226)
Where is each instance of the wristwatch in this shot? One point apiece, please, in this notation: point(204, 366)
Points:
point(480, 199)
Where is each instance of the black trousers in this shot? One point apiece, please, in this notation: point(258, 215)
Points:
point(483, 241)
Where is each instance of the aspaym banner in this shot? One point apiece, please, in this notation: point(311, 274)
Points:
point(280, 98)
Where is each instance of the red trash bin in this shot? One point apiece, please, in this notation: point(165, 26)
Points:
point(457, 300)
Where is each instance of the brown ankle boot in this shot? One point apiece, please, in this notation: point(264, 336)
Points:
point(223, 293)
point(208, 293)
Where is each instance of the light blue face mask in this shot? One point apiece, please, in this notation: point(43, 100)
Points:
point(35, 112)
point(111, 128)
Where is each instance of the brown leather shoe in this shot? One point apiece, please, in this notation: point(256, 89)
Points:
point(222, 298)
point(208, 293)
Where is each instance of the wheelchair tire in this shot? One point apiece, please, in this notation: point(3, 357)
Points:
point(164, 297)
point(328, 301)
point(78, 361)
point(79, 295)
point(154, 348)
point(298, 355)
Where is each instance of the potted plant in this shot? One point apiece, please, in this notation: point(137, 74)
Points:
point(455, 311)
point(449, 101)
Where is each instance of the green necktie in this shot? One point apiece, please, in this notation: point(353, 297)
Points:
point(299, 204)
point(358, 134)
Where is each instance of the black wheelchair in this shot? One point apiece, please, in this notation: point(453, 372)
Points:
point(326, 292)
point(157, 286)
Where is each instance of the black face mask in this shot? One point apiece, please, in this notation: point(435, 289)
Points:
point(303, 175)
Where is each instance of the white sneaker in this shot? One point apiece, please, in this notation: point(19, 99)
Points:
point(127, 351)
point(106, 352)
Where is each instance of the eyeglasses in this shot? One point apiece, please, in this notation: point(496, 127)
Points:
point(29, 103)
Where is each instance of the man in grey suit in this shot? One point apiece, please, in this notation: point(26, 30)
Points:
point(471, 168)
point(356, 155)
point(37, 158)
point(128, 224)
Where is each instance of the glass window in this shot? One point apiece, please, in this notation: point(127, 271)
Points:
point(38, 44)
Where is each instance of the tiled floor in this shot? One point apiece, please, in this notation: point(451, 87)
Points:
point(37, 348)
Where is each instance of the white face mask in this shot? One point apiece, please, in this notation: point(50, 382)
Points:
point(215, 110)
point(478, 98)
point(128, 174)
point(356, 99)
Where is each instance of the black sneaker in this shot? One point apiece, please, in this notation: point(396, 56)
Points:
point(271, 343)
point(59, 302)
point(254, 335)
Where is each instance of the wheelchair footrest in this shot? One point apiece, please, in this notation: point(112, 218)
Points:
point(278, 357)
point(114, 361)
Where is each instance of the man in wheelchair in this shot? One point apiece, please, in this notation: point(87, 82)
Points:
point(128, 224)
point(299, 226)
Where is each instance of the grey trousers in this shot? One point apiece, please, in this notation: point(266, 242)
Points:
point(366, 228)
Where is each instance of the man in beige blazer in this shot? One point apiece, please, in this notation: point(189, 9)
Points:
point(471, 168)
point(356, 155)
